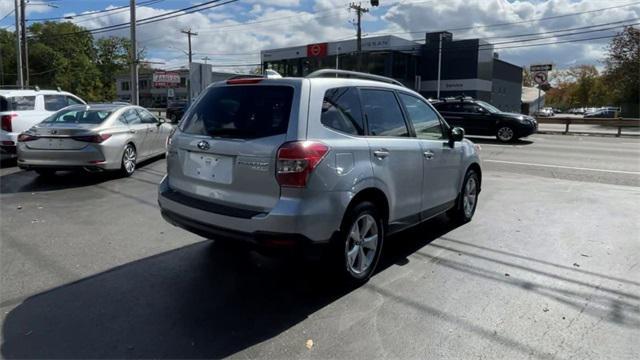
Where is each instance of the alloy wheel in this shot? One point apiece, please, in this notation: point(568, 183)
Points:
point(505, 133)
point(361, 245)
point(129, 159)
point(470, 197)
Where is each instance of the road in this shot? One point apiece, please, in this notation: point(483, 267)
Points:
point(548, 268)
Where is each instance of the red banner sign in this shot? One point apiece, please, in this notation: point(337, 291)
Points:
point(317, 50)
point(165, 79)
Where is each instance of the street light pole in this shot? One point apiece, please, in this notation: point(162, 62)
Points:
point(133, 55)
point(439, 65)
point(18, 46)
point(189, 35)
point(25, 48)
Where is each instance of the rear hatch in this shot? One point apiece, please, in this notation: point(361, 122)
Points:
point(225, 151)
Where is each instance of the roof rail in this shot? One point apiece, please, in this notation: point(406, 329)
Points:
point(352, 74)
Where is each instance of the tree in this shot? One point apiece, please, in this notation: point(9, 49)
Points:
point(112, 58)
point(622, 69)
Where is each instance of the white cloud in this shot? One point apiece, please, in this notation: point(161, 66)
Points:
point(272, 24)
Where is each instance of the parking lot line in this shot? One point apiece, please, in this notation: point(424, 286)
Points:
point(562, 167)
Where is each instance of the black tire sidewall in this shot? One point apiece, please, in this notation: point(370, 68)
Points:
point(339, 251)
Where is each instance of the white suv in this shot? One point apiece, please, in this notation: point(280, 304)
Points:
point(21, 109)
point(316, 161)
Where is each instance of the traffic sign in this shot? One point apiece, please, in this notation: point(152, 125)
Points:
point(536, 68)
point(540, 77)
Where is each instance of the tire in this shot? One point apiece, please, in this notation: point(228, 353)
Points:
point(505, 134)
point(355, 254)
point(46, 173)
point(465, 208)
point(128, 164)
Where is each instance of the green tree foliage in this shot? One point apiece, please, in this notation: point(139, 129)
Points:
point(622, 68)
point(618, 85)
point(62, 55)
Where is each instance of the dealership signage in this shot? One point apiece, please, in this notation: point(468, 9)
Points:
point(165, 79)
point(317, 50)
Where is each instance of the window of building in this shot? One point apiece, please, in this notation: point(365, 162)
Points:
point(424, 119)
point(183, 81)
point(341, 110)
point(144, 84)
point(125, 86)
point(383, 113)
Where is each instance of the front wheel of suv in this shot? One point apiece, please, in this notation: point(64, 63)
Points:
point(505, 134)
point(467, 199)
point(360, 245)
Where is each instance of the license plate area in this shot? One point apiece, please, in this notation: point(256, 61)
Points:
point(209, 167)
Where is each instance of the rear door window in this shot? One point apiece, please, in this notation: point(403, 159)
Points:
point(130, 117)
point(341, 110)
point(17, 103)
point(383, 113)
point(55, 102)
point(425, 121)
point(241, 112)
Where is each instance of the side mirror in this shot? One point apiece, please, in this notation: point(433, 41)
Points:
point(161, 121)
point(457, 134)
point(481, 110)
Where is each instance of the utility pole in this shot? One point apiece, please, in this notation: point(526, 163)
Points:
point(189, 35)
point(18, 46)
point(205, 59)
point(25, 47)
point(359, 11)
point(439, 64)
point(133, 54)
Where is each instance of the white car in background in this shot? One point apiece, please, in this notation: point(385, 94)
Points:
point(21, 109)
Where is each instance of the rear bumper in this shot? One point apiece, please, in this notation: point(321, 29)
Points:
point(288, 223)
point(91, 156)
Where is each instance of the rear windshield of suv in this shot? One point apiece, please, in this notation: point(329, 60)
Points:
point(240, 112)
point(17, 103)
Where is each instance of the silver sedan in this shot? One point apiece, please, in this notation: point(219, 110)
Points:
point(94, 138)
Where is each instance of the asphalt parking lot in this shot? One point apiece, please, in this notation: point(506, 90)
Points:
point(548, 268)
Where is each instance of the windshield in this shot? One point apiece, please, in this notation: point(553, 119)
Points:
point(244, 112)
point(78, 117)
point(489, 107)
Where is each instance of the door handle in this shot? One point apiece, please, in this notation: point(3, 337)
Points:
point(381, 154)
point(428, 155)
point(132, 131)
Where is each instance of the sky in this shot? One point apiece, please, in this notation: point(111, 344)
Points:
point(232, 35)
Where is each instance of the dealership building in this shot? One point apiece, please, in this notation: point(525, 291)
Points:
point(469, 67)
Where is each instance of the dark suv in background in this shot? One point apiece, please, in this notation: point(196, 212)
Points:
point(481, 118)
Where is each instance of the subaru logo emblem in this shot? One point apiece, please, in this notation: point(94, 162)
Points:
point(203, 145)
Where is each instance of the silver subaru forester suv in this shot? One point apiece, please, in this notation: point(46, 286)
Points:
point(321, 160)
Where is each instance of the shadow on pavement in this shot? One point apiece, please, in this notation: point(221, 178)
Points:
point(29, 181)
point(493, 140)
point(196, 301)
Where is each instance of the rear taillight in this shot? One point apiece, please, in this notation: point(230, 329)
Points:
point(92, 138)
point(7, 122)
point(26, 137)
point(296, 161)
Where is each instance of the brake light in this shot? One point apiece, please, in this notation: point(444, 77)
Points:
point(296, 161)
point(244, 81)
point(7, 122)
point(92, 138)
point(26, 137)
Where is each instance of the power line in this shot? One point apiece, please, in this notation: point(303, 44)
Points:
point(6, 16)
point(152, 19)
point(115, 9)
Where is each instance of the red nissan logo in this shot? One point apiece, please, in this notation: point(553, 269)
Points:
point(315, 50)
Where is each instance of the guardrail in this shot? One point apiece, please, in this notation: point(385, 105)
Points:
point(613, 122)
